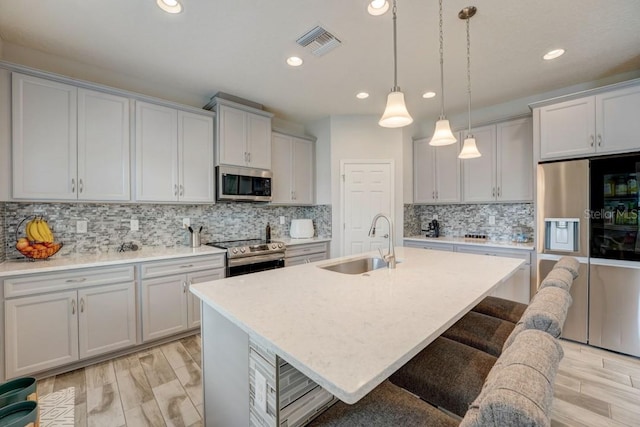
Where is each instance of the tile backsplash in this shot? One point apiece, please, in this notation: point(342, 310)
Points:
point(458, 220)
point(160, 225)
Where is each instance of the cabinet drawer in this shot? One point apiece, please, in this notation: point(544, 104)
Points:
point(525, 255)
point(448, 247)
point(300, 250)
point(71, 279)
point(182, 265)
point(304, 259)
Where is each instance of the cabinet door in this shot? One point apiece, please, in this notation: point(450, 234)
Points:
point(103, 146)
point(303, 171)
point(514, 151)
point(479, 174)
point(193, 302)
point(617, 124)
point(44, 139)
point(41, 333)
point(232, 136)
point(164, 306)
point(424, 185)
point(259, 141)
point(107, 318)
point(195, 148)
point(567, 129)
point(447, 168)
point(282, 184)
point(156, 153)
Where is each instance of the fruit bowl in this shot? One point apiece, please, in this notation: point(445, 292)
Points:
point(38, 243)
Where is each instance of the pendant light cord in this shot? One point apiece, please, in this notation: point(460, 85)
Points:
point(395, 51)
point(441, 67)
point(469, 74)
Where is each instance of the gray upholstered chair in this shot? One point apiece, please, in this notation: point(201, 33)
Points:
point(486, 333)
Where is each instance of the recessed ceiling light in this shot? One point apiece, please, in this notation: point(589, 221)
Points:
point(378, 7)
point(428, 95)
point(553, 54)
point(170, 6)
point(294, 61)
point(362, 95)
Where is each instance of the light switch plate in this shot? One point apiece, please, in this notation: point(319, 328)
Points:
point(81, 226)
point(435, 216)
point(186, 222)
point(135, 225)
point(281, 220)
point(492, 220)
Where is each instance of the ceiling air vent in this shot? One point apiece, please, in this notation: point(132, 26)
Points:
point(319, 41)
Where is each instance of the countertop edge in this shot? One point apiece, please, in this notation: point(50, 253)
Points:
point(473, 242)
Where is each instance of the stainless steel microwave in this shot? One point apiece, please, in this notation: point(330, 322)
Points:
point(243, 184)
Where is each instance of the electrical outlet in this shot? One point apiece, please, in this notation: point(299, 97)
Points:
point(81, 226)
point(281, 220)
point(186, 222)
point(135, 225)
point(492, 220)
point(435, 216)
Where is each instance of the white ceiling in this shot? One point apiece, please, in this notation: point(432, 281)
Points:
point(240, 47)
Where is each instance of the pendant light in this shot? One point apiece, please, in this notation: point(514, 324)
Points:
point(442, 134)
point(395, 114)
point(469, 148)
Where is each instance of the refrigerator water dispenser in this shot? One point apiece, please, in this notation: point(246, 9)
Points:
point(562, 234)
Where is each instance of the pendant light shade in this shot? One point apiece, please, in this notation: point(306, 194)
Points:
point(395, 114)
point(469, 149)
point(442, 134)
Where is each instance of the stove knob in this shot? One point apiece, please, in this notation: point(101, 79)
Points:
point(273, 246)
point(242, 250)
point(280, 245)
point(235, 251)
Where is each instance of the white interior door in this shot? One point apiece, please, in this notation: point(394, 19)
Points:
point(367, 191)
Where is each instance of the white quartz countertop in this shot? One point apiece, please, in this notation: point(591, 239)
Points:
point(473, 242)
point(292, 242)
point(18, 267)
point(350, 332)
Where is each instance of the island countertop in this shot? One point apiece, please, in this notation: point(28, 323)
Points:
point(350, 332)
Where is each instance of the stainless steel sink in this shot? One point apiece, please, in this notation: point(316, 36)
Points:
point(356, 266)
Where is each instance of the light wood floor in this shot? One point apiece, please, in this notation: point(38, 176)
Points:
point(162, 386)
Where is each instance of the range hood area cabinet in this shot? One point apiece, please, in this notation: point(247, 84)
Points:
point(293, 160)
point(174, 155)
point(243, 135)
point(436, 173)
point(504, 172)
point(603, 123)
point(69, 143)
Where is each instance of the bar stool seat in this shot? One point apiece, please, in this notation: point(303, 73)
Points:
point(481, 331)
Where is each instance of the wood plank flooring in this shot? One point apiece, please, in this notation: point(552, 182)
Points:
point(162, 387)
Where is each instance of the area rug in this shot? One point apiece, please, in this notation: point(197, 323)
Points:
point(57, 409)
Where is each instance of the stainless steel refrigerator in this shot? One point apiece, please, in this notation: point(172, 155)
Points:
point(589, 209)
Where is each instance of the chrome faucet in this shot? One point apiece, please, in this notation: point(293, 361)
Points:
point(390, 257)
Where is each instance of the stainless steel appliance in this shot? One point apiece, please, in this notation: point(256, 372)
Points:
point(589, 209)
point(251, 256)
point(243, 184)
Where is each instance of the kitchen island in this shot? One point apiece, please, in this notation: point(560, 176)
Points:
point(345, 332)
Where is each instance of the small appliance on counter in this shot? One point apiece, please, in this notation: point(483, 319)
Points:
point(433, 229)
point(301, 229)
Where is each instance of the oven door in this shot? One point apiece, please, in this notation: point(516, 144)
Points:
point(243, 184)
point(255, 263)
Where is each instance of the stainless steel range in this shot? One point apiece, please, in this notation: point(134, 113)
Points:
point(250, 256)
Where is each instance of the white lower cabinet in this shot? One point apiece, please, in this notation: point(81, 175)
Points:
point(168, 307)
point(448, 247)
point(57, 319)
point(305, 253)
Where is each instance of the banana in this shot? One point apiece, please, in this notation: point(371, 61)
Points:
point(27, 229)
point(32, 231)
point(45, 231)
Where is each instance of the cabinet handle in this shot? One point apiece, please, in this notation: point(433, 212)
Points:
point(81, 305)
point(73, 306)
point(599, 140)
point(249, 157)
point(80, 280)
point(184, 287)
point(73, 185)
point(186, 266)
point(498, 191)
point(493, 192)
point(175, 189)
point(591, 140)
point(433, 195)
point(80, 185)
point(181, 190)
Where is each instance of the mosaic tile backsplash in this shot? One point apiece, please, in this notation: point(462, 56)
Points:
point(160, 225)
point(3, 242)
point(458, 220)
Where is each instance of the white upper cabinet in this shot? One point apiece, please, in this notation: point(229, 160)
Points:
point(68, 143)
point(600, 124)
point(504, 172)
point(293, 170)
point(243, 137)
point(174, 155)
point(436, 173)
